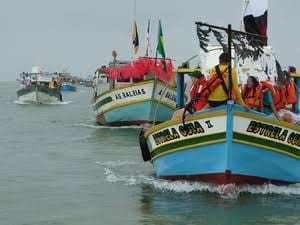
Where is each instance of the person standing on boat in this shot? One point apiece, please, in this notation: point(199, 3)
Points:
point(219, 95)
point(51, 84)
point(291, 88)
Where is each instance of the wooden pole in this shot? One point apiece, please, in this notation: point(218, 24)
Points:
point(229, 34)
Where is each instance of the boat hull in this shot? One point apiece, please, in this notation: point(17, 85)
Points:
point(68, 87)
point(135, 104)
point(38, 96)
point(239, 148)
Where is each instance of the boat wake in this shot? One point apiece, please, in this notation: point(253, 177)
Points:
point(116, 163)
point(21, 102)
point(59, 103)
point(94, 126)
point(53, 103)
point(229, 191)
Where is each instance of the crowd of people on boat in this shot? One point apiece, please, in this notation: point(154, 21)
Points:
point(54, 83)
point(277, 99)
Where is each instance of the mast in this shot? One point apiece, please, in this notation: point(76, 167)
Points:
point(36, 88)
point(230, 59)
point(148, 47)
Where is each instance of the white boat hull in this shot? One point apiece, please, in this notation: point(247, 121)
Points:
point(38, 98)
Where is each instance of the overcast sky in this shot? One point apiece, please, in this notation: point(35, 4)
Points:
point(79, 35)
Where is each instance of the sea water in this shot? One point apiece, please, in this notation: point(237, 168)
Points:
point(57, 167)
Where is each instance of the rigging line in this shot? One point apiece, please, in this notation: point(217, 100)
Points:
point(157, 103)
point(134, 10)
point(246, 4)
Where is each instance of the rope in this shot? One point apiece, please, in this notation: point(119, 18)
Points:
point(156, 106)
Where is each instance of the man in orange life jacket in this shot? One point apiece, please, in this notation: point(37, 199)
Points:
point(219, 95)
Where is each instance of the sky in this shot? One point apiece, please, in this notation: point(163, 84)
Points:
point(78, 36)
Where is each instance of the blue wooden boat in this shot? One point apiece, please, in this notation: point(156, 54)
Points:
point(226, 145)
point(223, 145)
point(68, 87)
point(134, 103)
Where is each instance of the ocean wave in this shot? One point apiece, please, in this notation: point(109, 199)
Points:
point(94, 126)
point(21, 102)
point(116, 163)
point(59, 103)
point(229, 191)
point(53, 103)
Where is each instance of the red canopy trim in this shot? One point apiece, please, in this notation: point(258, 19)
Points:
point(137, 69)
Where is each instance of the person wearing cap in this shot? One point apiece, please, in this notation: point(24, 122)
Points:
point(220, 94)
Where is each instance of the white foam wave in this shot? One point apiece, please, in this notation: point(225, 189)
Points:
point(52, 103)
point(59, 103)
point(293, 189)
point(87, 125)
point(116, 163)
point(229, 191)
point(106, 127)
point(21, 102)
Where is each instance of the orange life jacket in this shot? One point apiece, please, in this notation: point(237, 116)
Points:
point(197, 87)
point(278, 95)
point(253, 97)
point(203, 90)
point(291, 95)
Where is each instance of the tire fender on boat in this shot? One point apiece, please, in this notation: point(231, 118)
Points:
point(144, 147)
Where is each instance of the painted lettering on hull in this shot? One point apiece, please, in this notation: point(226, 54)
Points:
point(274, 132)
point(187, 130)
point(128, 94)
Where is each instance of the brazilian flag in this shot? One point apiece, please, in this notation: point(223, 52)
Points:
point(160, 42)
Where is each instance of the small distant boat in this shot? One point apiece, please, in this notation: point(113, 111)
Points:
point(39, 88)
point(68, 87)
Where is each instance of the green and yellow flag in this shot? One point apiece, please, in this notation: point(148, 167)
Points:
point(160, 42)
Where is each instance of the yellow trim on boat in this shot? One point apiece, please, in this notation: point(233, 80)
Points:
point(268, 120)
point(188, 146)
point(266, 147)
point(178, 121)
point(187, 70)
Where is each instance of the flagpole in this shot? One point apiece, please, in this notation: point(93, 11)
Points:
point(134, 12)
point(134, 31)
point(246, 3)
point(148, 39)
